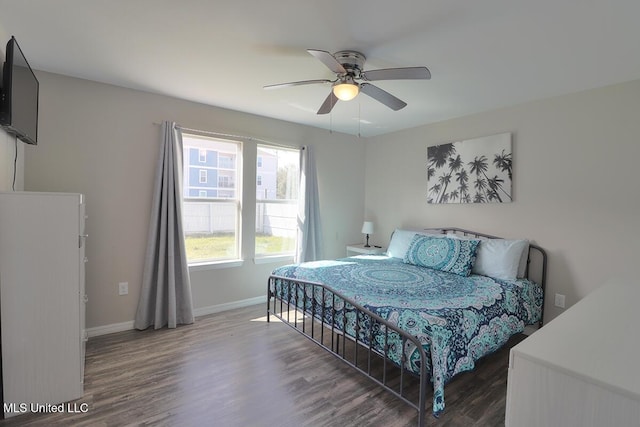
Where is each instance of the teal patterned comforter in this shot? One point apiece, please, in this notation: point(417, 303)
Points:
point(458, 319)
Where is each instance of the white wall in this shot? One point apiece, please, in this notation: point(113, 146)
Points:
point(11, 167)
point(576, 187)
point(101, 140)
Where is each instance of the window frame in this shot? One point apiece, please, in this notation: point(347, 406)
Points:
point(235, 259)
point(260, 258)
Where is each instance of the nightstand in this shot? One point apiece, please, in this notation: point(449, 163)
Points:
point(358, 248)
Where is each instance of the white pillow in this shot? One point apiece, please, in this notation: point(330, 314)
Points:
point(522, 266)
point(501, 258)
point(401, 239)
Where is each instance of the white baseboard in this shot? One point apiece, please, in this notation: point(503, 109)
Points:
point(197, 312)
point(203, 311)
point(109, 329)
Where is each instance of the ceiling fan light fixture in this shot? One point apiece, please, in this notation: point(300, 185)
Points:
point(346, 91)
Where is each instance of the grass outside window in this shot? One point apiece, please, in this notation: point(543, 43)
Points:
point(221, 246)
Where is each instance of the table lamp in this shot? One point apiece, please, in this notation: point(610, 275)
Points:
point(367, 228)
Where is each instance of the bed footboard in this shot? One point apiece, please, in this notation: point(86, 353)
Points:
point(311, 309)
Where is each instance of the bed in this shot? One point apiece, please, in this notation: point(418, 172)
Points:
point(440, 300)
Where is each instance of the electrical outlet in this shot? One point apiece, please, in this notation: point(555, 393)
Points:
point(560, 300)
point(123, 288)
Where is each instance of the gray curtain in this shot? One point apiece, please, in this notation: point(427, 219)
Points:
point(309, 226)
point(165, 298)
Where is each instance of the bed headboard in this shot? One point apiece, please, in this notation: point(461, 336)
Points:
point(536, 260)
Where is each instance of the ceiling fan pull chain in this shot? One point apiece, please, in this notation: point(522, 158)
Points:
point(331, 121)
point(359, 118)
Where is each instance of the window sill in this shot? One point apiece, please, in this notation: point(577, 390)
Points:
point(214, 265)
point(275, 258)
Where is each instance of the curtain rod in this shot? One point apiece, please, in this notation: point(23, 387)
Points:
point(241, 137)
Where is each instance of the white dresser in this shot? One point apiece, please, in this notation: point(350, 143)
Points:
point(583, 368)
point(42, 307)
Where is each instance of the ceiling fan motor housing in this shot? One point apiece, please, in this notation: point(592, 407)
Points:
point(351, 60)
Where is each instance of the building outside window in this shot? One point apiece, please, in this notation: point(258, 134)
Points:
point(276, 201)
point(225, 161)
point(211, 209)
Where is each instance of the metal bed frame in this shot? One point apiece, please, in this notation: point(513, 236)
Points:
point(319, 324)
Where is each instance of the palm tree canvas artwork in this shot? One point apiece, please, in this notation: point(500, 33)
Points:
point(476, 170)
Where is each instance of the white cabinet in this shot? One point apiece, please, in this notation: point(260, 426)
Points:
point(42, 298)
point(581, 369)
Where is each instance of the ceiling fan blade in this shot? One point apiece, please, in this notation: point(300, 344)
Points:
point(329, 60)
point(328, 104)
point(383, 96)
point(397, 74)
point(300, 83)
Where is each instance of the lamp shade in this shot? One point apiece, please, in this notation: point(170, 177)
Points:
point(346, 91)
point(367, 227)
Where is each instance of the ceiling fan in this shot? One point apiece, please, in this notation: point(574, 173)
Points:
point(352, 79)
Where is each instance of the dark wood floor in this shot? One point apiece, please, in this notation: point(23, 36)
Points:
point(235, 369)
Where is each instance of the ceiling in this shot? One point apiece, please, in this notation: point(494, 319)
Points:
point(482, 54)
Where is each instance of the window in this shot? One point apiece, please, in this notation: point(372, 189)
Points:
point(202, 156)
point(276, 201)
point(225, 161)
point(224, 181)
point(211, 212)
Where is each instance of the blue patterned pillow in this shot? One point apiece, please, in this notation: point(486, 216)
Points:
point(445, 254)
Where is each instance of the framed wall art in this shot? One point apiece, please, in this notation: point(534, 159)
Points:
point(475, 170)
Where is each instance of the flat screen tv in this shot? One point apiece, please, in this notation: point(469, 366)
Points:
point(19, 107)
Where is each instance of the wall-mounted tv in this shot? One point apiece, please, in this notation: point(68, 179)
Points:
point(19, 106)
